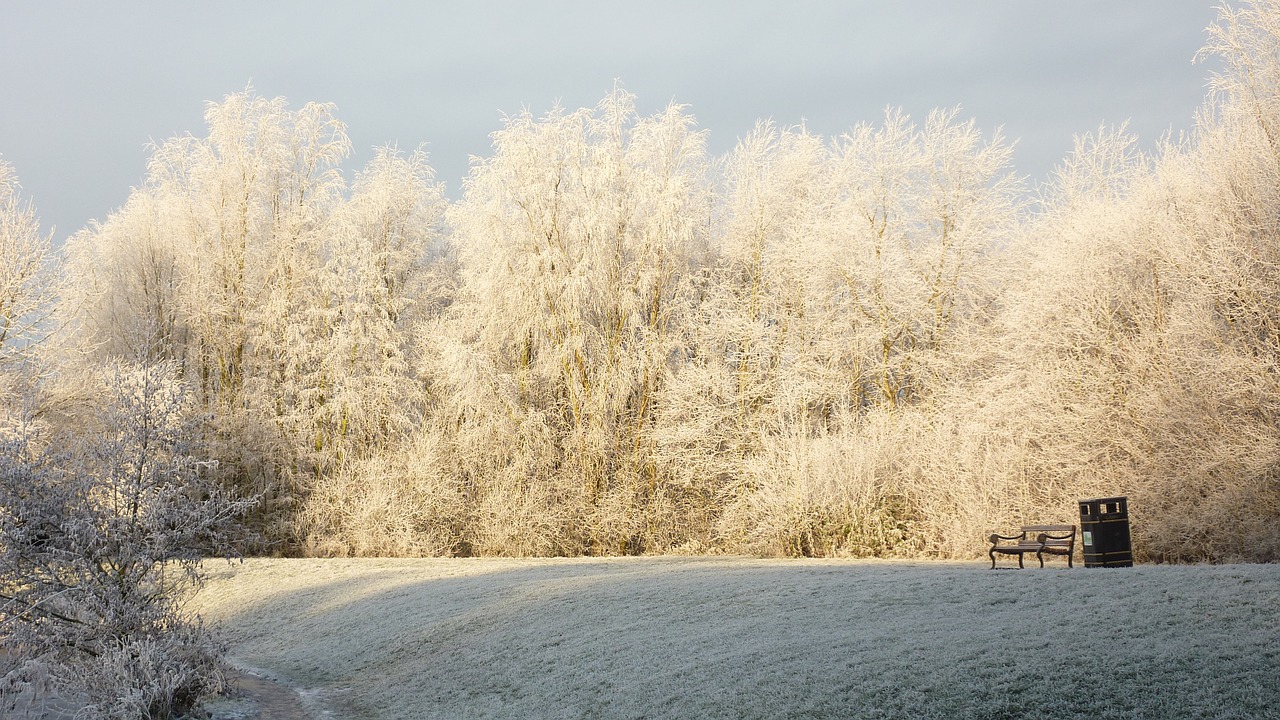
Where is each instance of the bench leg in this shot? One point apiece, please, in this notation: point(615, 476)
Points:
point(1040, 557)
point(1020, 560)
point(992, 553)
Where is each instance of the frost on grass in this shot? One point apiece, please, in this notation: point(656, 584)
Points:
point(740, 638)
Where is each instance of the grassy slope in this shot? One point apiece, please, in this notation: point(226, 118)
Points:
point(743, 638)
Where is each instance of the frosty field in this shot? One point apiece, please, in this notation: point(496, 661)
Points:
point(747, 638)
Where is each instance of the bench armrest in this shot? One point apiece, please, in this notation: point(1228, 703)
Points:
point(995, 537)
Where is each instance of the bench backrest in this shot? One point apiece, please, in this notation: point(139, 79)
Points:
point(1065, 534)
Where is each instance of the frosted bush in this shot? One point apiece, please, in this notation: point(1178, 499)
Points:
point(103, 528)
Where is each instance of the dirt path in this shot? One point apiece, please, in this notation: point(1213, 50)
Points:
point(254, 697)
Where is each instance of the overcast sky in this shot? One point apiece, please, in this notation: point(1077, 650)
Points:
point(86, 85)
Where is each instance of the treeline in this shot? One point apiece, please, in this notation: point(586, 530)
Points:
point(612, 343)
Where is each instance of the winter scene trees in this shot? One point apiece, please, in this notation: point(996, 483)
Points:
point(613, 342)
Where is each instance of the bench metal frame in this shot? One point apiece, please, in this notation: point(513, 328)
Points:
point(1049, 539)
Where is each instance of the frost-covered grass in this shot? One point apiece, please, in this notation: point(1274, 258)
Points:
point(746, 638)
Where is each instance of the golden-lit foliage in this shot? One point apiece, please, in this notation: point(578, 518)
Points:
point(615, 343)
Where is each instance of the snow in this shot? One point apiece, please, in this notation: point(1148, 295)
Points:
point(746, 638)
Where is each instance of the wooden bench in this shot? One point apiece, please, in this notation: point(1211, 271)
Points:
point(1049, 540)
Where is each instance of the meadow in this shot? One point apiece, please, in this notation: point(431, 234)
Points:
point(733, 637)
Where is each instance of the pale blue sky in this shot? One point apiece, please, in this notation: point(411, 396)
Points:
point(86, 86)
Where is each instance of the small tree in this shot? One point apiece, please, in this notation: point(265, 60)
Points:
point(27, 273)
point(101, 536)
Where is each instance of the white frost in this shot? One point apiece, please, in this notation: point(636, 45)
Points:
point(743, 638)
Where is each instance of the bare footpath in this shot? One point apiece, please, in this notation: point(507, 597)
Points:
point(253, 696)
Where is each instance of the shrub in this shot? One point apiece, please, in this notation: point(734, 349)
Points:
point(103, 525)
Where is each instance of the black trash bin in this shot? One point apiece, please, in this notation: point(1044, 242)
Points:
point(1104, 529)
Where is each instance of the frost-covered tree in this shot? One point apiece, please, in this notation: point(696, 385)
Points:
point(778, 191)
point(918, 212)
point(28, 274)
point(288, 305)
point(253, 202)
point(388, 276)
point(852, 263)
point(383, 276)
point(1210, 413)
point(126, 300)
point(216, 264)
point(1031, 425)
point(576, 238)
point(103, 525)
point(1138, 347)
point(853, 274)
point(612, 343)
point(215, 259)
